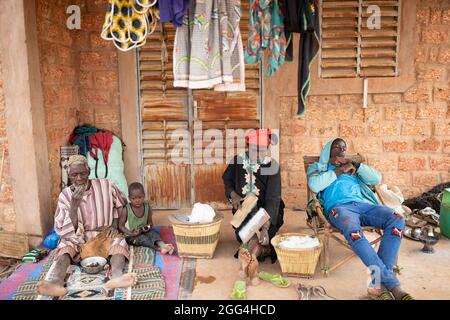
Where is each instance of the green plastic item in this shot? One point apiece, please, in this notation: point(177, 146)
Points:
point(444, 214)
point(239, 291)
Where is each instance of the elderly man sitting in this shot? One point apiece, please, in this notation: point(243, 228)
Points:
point(83, 211)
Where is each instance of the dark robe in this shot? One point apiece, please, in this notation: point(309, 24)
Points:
point(269, 196)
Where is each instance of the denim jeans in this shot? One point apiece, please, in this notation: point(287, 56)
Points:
point(350, 217)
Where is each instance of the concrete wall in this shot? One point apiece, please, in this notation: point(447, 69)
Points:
point(406, 135)
point(7, 213)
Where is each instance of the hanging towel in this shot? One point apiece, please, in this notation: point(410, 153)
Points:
point(173, 11)
point(302, 16)
point(208, 50)
point(266, 33)
point(129, 22)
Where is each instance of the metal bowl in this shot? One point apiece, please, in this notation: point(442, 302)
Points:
point(93, 265)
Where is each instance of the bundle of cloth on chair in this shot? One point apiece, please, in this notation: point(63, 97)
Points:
point(104, 152)
point(80, 137)
point(109, 164)
point(208, 51)
point(302, 16)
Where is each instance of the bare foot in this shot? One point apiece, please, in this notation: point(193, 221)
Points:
point(47, 288)
point(242, 273)
point(167, 248)
point(253, 271)
point(244, 258)
point(124, 281)
point(376, 292)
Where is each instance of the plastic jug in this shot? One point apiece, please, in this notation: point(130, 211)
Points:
point(444, 218)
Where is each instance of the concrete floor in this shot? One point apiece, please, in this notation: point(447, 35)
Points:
point(425, 276)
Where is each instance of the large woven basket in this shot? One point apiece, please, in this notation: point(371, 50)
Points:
point(13, 244)
point(197, 240)
point(296, 262)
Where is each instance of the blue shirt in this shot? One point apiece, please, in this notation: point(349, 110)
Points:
point(344, 189)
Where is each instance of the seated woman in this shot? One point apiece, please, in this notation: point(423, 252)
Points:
point(254, 172)
point(83, 210)
point(342, 186)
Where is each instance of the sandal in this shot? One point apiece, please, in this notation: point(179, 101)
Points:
point(239, 291)
point(386, 295)
point(407, 297)
point(275, 279)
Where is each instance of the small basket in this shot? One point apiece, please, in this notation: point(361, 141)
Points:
point(13, 244)
point(296, 262)
point(197, 240)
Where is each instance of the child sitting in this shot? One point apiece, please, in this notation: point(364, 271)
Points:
point(138, 214)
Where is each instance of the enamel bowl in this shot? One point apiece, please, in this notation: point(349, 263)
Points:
point(93, 265)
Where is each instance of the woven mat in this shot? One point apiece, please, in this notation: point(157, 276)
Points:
point(84, 286)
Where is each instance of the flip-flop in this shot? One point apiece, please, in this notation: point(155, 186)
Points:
point(386, 295)
point(275, 279)
point(407, 297)
point(239, 291)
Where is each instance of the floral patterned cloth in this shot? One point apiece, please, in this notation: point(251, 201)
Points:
point(208, 50)
point(266, 33)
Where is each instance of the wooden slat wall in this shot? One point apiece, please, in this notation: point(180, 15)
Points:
point(163, 107)
point(222, 111)
point(231, 110)
point(349, 48)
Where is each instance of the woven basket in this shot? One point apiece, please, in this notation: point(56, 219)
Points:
point(13, 244)
point(197, 240)
point(296, 262)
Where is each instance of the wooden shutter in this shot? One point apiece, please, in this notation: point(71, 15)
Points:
point(339, 39)
point(164, 109)
point(349, 48)
point(379, 47)
point(222, 111)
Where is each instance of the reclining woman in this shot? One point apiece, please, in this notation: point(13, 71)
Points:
point(342, 186)
point(254, 172)
point(84, 210)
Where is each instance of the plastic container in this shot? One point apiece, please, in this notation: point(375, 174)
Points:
point(444, 213)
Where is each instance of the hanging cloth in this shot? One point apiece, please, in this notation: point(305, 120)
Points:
point(100, 141)
point(208, 50)
point(129, 22)
point(173, 11)
point(266, 33)
point(302, 16)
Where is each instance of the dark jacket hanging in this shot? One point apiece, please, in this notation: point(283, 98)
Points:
point(302, 16)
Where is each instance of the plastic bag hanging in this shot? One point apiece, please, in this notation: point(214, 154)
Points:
point(129, 22)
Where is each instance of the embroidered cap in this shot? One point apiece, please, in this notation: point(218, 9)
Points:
point(259, 137)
